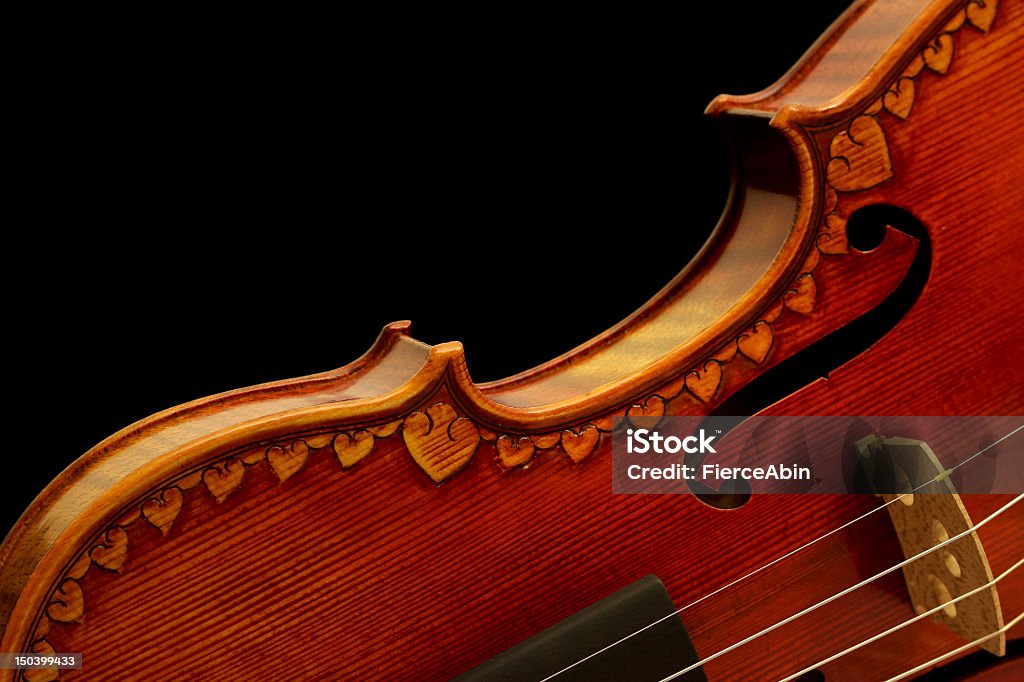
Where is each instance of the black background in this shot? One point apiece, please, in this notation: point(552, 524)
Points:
point(210, 197)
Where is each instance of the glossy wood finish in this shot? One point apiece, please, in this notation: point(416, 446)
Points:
point(298, 529)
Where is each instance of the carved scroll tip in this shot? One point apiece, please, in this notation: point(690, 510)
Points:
point(447, 351)
point(450, 358)
point(718, 105)
point(397, 328)
point(390, 335)
point(739, 105)
point(786, 114)
point(393, 334)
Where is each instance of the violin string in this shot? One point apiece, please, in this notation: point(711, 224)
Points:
point(722, 588)
point(842, 593)
point(900, 626)
point(776, 560)
point(959, 649)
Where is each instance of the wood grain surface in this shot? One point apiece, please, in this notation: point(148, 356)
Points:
point(395, 520)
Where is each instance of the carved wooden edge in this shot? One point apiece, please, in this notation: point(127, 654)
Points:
point(442, 438)
point(859, 156)
point(437, 437)
point(775, 99)
point(859, 159)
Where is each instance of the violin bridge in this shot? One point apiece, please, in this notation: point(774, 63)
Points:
point(929, 512)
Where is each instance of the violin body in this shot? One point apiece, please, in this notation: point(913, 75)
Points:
point(394, 520)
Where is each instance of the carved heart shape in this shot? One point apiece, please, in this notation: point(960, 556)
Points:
point(79, 568)
point(546, 440)
point(254, 456)
point(982, 14)
point(914, 67)
point(834, 242)
point(802, 297)
point(830, 201)
point(42, 674)
point(43, 628)
point(954, 24)
point(725, 354)
point(385, 430)
point(112, 552)
point(812, 261)
point(512, 453)
point(223, 478)
point(349, 448)
point(704, 383)
point(900, 100)
point(163, 510)
point(653, 406)
point(440, 441)
point(772, 313)
point(68, 603)
point(579, 444)
point(939, 54)
point(860, 156)
point(756, 342)
point(287, 461)
point(43, 648)
point(831, 243)
point(320, 440)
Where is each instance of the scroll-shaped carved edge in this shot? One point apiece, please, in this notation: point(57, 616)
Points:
point(442, 442)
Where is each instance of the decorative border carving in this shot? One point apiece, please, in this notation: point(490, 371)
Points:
point(443, 442)
point(859, 155)
point(859, 159)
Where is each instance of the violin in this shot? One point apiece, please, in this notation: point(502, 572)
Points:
point(395, 519)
